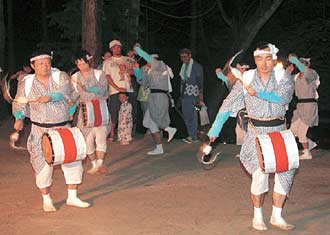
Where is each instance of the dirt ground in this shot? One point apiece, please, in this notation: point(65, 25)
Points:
point(164, 195)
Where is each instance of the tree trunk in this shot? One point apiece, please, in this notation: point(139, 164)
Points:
point(44, 20)
point(133, 23)
point(193, 27)
point(2, 35)
point(254, 25)
point(11, 38)
point(91, 28)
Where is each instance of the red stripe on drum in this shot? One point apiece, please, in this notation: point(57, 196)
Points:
point(281, 156)
point(97, 113)
point(70, 148)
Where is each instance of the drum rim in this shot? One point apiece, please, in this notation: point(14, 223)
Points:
point(51, 144)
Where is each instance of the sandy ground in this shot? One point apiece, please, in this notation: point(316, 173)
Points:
point(164, 195)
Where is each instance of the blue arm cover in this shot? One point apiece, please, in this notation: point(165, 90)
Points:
point(269, 96)
point(143, 54)
point(222, 77)
point(294, 60)
point(137, 74)
point(218, 124)
point(56, 96)
point(72, 109)
point(18, 115)
point(93, 89)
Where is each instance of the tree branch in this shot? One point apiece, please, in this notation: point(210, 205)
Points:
point(224, 15)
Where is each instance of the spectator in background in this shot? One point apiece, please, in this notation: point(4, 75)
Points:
point(192, 77)
point(106, 55)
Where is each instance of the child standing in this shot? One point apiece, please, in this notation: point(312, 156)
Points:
point(125, 121)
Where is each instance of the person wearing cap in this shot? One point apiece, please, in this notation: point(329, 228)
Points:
point(90, 85)
point(265, 94)
point(156, 78)
point(50, 90)
point(306, 113)
point(117, 70)
point(192, 79)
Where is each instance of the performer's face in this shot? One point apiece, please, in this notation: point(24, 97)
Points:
point(82, 65)
point(185, 58)
point(42, 66)
point(116, 50)
point(264, 62)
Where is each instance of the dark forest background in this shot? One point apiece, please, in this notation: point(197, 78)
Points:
point(213, 29)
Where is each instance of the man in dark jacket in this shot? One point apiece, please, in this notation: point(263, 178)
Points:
point(191, 74)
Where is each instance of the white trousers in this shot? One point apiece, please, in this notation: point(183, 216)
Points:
point(72, 171)
point(259, 183)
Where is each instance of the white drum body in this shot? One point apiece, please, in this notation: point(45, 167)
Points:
point(95, 113)
point(63, 145)
point(277, 151)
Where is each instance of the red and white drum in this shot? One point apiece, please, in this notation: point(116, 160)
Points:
point(63, 145)
point(277, 151)
point(95, 113)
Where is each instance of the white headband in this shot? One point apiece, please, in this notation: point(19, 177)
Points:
point(305, 60)
point(89, 57)
point(244, 66)
point(273, 51)
point(38, 57)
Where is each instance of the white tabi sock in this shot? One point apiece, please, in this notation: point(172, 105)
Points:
point(47, 203)
point(72, 193)
point(94, 163)
point(46, 198)
point(99, 162)
point(159, 147)
point(258, 213)
point(277, 212)
point(73, 199)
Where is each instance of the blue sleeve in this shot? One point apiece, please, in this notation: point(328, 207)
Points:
point(217, 125)
point(93, 89)
point(269, 96)
point(143, 54)
point(18, 115)
point(72, 109)
point(223, 77)
point(56, 96)
point(137, 73)
point(294, 60)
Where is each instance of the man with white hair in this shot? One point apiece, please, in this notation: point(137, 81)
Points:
point(306, 113)
point(117, 70)
point(50, 90)
point(264, 92)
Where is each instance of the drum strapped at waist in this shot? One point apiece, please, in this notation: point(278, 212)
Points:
point(50, 125)
point(158, 91)
point(307, 100)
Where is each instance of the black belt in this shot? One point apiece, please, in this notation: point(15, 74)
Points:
point(274, 122)
point(50, 125)
point(158, 91)
point(308, 100)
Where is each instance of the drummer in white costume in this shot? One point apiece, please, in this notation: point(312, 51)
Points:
point(265, 94)
point(51, 89)
point(90, 84)
point(156, 117)
point(306, 113)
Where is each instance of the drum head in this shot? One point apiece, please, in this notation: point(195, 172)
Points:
point(47, 148)
point(260, 155)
